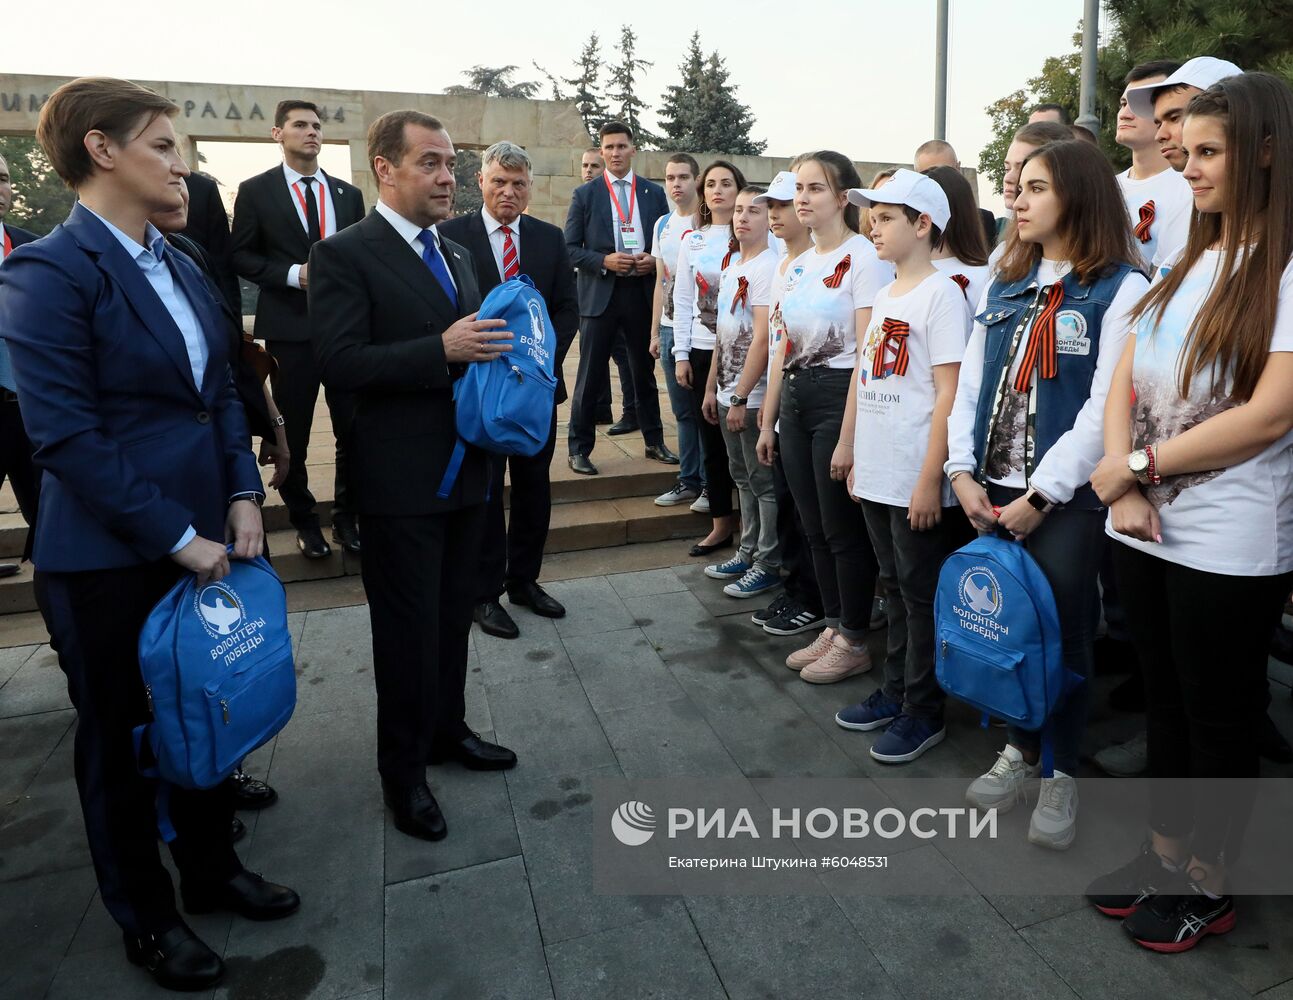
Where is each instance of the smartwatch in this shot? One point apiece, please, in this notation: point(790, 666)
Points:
point(1038, 502)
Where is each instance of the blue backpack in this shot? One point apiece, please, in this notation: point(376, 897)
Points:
point(218, 674)
point(998, 634)
point(504, 405)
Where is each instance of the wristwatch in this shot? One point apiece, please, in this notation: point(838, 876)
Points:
point(739, 400)
point(1138, 463)
point(279, 421)
point(1038, 502)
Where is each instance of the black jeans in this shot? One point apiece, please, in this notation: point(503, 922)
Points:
point(1202, 641)
point(1069, 546)
point(718, 476)
point(812, 409)
point(800, 578)
point(16, 463)
point(909, 564)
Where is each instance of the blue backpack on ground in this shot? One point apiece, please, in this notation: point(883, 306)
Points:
point(504, 405)
point(998, 633)
point(218, 674)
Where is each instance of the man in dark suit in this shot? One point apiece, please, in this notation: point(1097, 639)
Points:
point(15, 448)
point(608, 232)
point(393, 306)
point(208, 227)
point(504, 243)
point(122, 362)
point(278, 216)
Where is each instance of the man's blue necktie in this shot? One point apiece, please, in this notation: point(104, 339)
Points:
point(434, 260)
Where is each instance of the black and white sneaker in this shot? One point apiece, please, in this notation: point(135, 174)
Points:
point(1123, 891)
point(765, 615)
point(1177, 922)
point(680, 494)
point(794, 619)
point(879, 612)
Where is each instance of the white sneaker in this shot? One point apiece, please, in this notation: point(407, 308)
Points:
point(1125, 760)
point(1054, 822)
point(1003, 784)
point(701, 506)
point(679, 494)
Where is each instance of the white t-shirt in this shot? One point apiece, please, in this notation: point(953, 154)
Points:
point(1068, 465)
point(1236, 521)
point(1169, 195)
point(667, 238)
point(975, 278)
point(695, 289)
point(823, 290)
point(736, 321)
point(894, 411)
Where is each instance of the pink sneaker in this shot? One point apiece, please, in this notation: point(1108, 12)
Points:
point(800, 658)
point(840, 660)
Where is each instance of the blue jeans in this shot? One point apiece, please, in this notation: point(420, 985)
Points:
point(689, 453)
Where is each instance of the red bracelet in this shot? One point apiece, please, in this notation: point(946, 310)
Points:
point(1152, 472)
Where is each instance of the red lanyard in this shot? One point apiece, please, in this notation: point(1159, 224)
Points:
point(8, 243)
point(323, 207)
point(633, 197)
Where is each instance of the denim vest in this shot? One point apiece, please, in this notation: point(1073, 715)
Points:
point(1059, 399)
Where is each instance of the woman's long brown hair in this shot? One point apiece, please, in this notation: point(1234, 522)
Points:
point(963, 237)
point(1231, 334)
point(841, 175)
point(1093, 215)
point(704, 217)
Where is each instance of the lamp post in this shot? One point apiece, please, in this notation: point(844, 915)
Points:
point(1090, 37)
point(940, 71)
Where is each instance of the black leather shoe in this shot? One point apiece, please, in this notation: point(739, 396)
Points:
point(604, 417)
point(475, 754)
point(310, 542)
point(347, 536)
point(416, 811)
point(493, 619)
point(1271, 743)
point(661, 453)
point(622, 426)
point(538, 600)
point(701, 549)
point(177, 959)
point(246, 894)
point(581, 464)
point(249, 793)
point(238, 831)
point(8, 569)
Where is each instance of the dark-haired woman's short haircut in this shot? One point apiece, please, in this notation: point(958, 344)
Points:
point(119, 109)
point(285, 108)
point(615, 128)
point(386, 135)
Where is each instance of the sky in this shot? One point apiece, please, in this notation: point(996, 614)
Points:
point(853, 75)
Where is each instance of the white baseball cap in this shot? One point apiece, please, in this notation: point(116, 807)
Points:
point(1201, 72)
point(906, 187)
point(782, 188)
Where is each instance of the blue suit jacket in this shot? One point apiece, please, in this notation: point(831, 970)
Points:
point(131, 450)
point(590, 236)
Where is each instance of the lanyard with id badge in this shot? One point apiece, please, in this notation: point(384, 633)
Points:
point(630, 240)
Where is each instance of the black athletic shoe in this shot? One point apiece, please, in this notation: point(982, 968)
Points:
point(765, 615)
point(1122, 892)
point(1177, 922)
point(794, 619)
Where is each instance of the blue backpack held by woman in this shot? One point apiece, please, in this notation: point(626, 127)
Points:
point(505, 405)
point(218, 674)
point(998, 632)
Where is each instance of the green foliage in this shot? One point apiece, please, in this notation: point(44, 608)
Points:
point(493, 81)
point(678, 104)
point(702, 113)
point(625, 104)
point(587, 93)
point(40, 198)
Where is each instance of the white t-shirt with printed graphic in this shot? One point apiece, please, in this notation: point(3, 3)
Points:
point(1068, 465)
point(1173, 201)
point(667, 238)
point(894, 412)
point(976, 278)
point(1236, 521)
point(823, 290)
point(695, 289)
point(736, 322)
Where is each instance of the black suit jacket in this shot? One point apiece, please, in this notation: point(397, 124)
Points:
point(590, 236)
point(268, 239)
point(543, 259)
point(209, 228)
point(18, 236)
point(378, 316)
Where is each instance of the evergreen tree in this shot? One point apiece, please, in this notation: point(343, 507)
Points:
point(625, 105)
point(586, 86)
point(40, 198)
point(721, 123)
point(493, 81)
point(677, 106)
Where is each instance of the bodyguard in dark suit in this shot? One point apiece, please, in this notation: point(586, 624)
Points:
point(15, 448)
point(208, 227)
point(393, 306)
point(607, 233)
point(122, 362)
point(278, 216)
point(504, 243)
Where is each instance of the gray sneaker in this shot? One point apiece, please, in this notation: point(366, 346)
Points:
point(679, 494)
point(1054, 820)
point(1003, 784)
point(1125, 760)
point(701, 506)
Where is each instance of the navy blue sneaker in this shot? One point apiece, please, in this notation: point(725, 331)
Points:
point(907, 738)
point(873, 713)
point(755, 582)
point(733, 569)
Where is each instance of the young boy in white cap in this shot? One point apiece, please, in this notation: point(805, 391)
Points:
point(896, 422)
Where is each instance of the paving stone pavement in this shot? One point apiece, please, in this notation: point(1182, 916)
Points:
point(652, 674)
